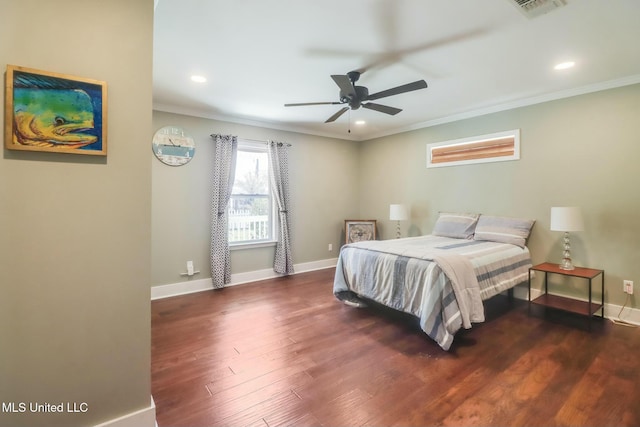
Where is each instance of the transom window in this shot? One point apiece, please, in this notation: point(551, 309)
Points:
point(251, 213)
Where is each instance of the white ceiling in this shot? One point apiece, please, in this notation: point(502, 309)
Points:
point(476, 56)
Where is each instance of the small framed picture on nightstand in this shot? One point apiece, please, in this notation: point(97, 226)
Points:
point(358, 230)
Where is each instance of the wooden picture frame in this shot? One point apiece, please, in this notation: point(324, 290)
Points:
point(54, 112)
point(358, 230)
point(495, 147)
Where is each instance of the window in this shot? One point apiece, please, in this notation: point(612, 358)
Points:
point(251, 212)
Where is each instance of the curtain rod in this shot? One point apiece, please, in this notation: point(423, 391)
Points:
point(261, 141)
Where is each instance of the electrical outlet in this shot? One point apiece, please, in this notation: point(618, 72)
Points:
point(628, 286)
point(330, 247)
point(190, 271)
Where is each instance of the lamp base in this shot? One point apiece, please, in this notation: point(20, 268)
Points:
point(567, 265)
point(398, 230)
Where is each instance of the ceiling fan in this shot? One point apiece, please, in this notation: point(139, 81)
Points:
point(357, 96)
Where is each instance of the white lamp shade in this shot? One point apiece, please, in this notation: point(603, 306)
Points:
point(398, 213)
point(566, 219)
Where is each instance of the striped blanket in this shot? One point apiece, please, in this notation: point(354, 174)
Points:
point(441, 280)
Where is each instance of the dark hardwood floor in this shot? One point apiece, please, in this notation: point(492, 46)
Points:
point(285, 352)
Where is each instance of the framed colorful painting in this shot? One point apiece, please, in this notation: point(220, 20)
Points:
point(54, 112)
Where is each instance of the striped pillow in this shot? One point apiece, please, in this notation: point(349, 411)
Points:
point(456, 225)
point(503, 230)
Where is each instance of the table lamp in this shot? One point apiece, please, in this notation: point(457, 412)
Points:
point(398, 213)
point(566, 219)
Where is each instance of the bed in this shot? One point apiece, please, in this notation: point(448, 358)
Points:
point(442, 278)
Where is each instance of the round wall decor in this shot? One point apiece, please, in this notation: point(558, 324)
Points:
point(173, 146)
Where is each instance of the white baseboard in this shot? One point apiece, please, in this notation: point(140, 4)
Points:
point(191, 286)
point(611, 311)
point(141, 418)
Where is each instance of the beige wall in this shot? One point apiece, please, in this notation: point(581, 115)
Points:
point(323, 175)
point(580, 151)
point(75, 231)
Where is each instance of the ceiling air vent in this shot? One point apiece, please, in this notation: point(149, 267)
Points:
point(532, 8)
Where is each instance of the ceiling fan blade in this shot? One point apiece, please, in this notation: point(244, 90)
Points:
point(312, 103)
point(382, 108)
point(420, 84)
point(391, 56)
point(344, 83)
point(336, 115)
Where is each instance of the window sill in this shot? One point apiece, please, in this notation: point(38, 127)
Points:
point(239, 246)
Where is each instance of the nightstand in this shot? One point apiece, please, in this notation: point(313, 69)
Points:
point(565, 303)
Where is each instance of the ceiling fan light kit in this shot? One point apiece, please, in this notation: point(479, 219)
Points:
point(357, 96)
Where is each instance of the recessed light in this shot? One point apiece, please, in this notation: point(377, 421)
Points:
point(564, 65)
point(360, 122)
point(198, 79)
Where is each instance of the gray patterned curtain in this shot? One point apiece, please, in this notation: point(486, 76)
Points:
point(279, 176)
point(223, 175)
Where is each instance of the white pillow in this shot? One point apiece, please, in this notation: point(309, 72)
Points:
point(503, 230)
point(456, 225)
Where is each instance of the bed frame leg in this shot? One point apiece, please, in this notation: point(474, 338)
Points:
point(510, 295)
